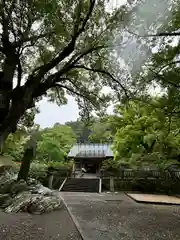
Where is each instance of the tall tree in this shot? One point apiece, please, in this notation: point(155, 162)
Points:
point(101, 131)
point(81, 128)
point(53, 48)
point(55, 143)
point(146, 134)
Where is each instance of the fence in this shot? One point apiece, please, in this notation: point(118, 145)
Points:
point(56, 177)
point(142, 174)
point(149, 181)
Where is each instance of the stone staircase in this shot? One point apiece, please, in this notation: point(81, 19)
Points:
point(80, 185)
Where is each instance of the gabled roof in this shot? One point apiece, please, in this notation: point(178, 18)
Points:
point(90, 150)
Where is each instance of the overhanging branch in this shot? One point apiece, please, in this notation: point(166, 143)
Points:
point(33, 38)
point(169, 64)
point(76, 86)
point(81, 30)
point(19, 70)
point(105, 73)
point(69, 48)
point(75, 92)
point(163, 34)
point(161, 77)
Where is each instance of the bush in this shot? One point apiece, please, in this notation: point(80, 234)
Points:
point(111, 167)
point(62, 169)
point(38, 171)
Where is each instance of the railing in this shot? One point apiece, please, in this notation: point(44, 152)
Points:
point(143, 181)
point(142, 174)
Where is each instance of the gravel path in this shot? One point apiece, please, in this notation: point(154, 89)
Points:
point(117, 217)
point(51, 226)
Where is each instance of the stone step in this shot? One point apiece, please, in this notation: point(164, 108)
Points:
point(81, 185)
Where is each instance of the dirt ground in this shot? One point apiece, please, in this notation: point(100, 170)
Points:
point(51, 226)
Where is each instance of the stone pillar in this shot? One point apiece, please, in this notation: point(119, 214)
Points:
point(50, 181)
point(111, 184)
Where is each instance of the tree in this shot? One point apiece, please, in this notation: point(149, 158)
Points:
point(81, 128)
point(145, 135)
point(154, 64)
point(55, 143)
point(53, 48)
point(101, 131)
point(14, 145)
point(152, 56)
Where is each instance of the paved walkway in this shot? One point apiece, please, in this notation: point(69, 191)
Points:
point(111, 217)
point(57, 225)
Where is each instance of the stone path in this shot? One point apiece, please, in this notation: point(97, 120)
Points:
point(56, 225)
point(118, 217)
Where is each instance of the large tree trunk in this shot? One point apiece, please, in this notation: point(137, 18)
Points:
point(19, 105)
point(6, 85)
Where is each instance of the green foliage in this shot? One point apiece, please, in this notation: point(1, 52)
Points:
point(148, 129)
point(59, 48)
point(39, 170)
point(111, 166)
point(145, 135)
point(55, 143)
point(63, 169)
point(97, 130)
point(81, 129)
point(14, 145)
point(101, 131)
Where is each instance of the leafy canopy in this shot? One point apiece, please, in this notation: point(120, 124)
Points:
point(55, 48)
point(146, 135)
point(55, 143)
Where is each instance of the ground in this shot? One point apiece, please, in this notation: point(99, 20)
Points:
point(98, 216)
point(111, 217)
point(51, 226)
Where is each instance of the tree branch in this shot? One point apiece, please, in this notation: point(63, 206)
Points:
point(86, 52)
point(169, 64)
point(163, 34)
point(32, 38)
point(69, 48)
point(164, 79)
point(105, 73)
point(75, 85)
point(75, 92)
point(5, 34)
point(81, 30)
point(19, 69)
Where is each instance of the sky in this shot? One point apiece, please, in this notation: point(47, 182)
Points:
point(50, 113)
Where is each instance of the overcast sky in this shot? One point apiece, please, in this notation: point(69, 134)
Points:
point(50, 113)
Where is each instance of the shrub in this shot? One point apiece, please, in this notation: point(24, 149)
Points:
point(38, 171)
point(61, 168)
